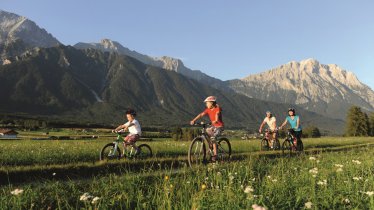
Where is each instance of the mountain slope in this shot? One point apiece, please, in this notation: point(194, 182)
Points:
point(92, 86)
point(325, 89)
point(165, 62)
point(19, 34)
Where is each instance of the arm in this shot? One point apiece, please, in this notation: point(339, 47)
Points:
point(262, 124)
point(297, 123)
point(197, 117)
point(283, 124)
point(124, 127)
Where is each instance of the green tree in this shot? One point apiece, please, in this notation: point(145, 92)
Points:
point(311, 132)
point(357, 122)
point(371, 124)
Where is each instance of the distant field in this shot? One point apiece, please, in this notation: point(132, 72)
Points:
point(56, 173)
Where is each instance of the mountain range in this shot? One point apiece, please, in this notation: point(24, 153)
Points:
point(93, 81)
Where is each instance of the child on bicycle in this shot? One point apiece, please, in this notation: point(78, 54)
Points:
point(133, 126)
point(214, 112)
point(294, 121)
point(271, 121)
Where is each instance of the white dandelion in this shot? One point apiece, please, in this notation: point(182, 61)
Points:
point(95, 200)
point(313, 171)
point(248, 190)
point(357, 178)
point(308, 205)
point(257, 207)
point(86, 197)
point(322, 183)
point(356, 162)
point(312, 158)
point(16, 192)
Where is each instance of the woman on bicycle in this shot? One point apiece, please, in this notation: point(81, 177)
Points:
point(271, 121)
point(294, 121)
point(214, 112)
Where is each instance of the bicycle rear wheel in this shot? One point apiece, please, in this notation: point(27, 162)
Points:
point(264, 145)
point(286, 148)
point(277, 145)
point(144, 151)
point(224, 149)
point(108, 153)
point(300, 146)
point(197, 152)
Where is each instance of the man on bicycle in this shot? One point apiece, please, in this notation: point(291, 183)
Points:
point(271, 121)
point(214, 112)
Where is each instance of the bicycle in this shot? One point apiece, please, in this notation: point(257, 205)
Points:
point(265, 141)
point(291, 144)
point(112, 150)
point(202, 146)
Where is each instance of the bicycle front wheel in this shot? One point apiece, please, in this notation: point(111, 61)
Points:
point(197, 152)
point(224, 149)
point(108, 152)
point(144, 151)
point(286, 148)
point(264, 145)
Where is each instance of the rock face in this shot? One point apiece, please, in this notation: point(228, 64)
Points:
point(326, 89)
point(13, 27)
point(165, 62)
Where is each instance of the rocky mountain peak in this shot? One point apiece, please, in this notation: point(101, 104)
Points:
point(13, 27)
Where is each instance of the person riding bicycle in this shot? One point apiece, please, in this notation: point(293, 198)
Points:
point(294, 121)
point(133, 126)
point(214, 112)
point(271, 121)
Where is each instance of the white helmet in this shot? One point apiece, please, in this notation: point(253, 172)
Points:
point(210, 98)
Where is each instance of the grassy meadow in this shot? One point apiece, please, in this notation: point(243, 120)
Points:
point(334, 173)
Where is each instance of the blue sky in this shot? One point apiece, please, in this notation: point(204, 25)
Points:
point(225, 39)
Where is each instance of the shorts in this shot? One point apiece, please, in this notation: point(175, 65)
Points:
point(214, 131)
point(131, 138)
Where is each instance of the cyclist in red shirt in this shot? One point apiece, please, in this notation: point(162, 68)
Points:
point(214, 112)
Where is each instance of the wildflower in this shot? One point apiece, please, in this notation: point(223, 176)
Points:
point(257, 207)
point(231, 177)
point(86, 197)
point(339, 165)
point(248, 190)
point(346, 201)
point(339, 170)
point(17, 192)
point(308, 205)
point(313, 171)
point(369, 193)
point(219, 173)
point(357, 178)
point(323, 182)
point(269, 177)
point(166, 178)
point(317, 161)
point(203, 186)
point(54, 174)
point(312, 158)
point(95, 200)
point(356, 162)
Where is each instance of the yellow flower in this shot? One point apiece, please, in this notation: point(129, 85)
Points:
point(203, 186)
point(166, 178)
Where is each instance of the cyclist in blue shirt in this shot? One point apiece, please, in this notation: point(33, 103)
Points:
point(294, 121)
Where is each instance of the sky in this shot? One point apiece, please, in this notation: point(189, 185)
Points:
point(224, 39)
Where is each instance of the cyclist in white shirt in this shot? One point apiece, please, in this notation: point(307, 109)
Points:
point(271, 121)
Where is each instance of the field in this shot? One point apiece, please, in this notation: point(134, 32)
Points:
point(334, 173)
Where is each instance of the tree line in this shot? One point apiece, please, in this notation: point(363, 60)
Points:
point(359, 123)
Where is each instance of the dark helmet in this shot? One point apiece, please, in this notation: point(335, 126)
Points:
point(131, 111)
point(292, 110)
